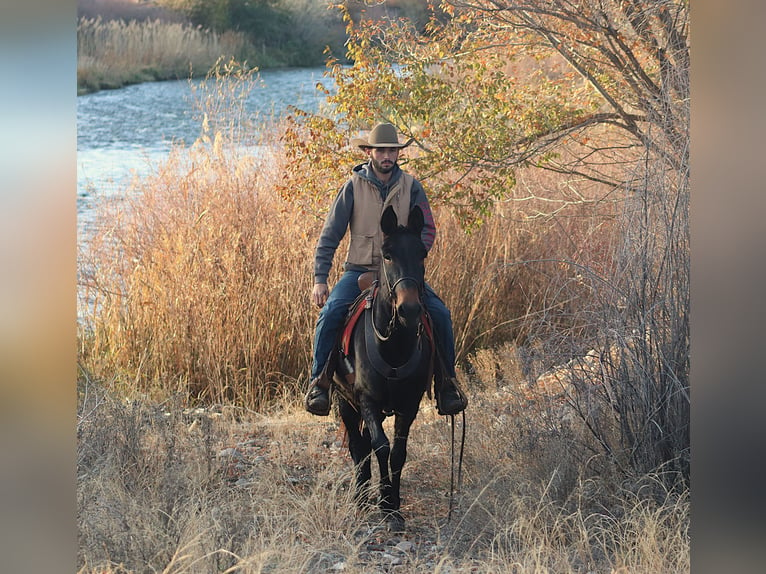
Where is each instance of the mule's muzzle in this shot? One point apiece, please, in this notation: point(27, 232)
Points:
point(408, 306)
point(405, 297)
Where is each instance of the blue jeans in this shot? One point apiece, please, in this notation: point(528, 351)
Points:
point(344, 293)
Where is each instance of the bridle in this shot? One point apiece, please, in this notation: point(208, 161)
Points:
point(418, 284)
point(391, 296)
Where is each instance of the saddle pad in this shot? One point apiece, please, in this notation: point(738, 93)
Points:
point(355, 311)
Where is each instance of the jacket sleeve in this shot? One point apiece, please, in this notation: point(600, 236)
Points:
point(418, 197)
point(334, 229)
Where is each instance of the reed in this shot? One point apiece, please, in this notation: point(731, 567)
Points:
point(197, 277)
point(522, 266)
point(197, 281)
point(200, 278)
point(164, 487)
point(194, 293)
point(113, 53)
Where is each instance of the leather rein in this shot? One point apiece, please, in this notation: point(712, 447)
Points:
point(392, 322)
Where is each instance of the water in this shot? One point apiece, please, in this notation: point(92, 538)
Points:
point(130, 130)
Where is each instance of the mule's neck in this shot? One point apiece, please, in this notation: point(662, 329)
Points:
point(395, 340)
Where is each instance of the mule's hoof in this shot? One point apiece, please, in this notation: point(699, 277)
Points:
point(394, 521)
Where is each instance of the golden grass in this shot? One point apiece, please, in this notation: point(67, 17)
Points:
point(194, 292)
point(199, 278)
point(198, 281)
point(114, 53)
point(163, 487)
point(519, 268)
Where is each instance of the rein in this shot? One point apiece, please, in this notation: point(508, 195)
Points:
point(392, 322)
point(452, 464)
point(389, 328)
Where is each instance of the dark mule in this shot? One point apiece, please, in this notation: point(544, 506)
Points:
point(392, 364)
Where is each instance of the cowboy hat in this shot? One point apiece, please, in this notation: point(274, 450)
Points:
point(382, 135)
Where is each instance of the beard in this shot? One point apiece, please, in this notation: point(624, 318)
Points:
point(386, 167)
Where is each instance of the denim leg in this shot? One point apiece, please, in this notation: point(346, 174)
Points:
point(331, 318)
point(442, 320)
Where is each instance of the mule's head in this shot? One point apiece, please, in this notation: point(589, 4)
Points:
point(402, 268)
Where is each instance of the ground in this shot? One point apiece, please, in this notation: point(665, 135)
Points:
point(305, 445)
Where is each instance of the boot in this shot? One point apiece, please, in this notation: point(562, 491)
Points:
point(450, 399)
point(317, 400)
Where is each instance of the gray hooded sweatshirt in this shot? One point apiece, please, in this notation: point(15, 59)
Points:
point(338, 219)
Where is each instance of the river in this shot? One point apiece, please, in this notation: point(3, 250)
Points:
point(129, 130)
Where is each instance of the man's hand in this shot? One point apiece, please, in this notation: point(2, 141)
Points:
point(319, 294)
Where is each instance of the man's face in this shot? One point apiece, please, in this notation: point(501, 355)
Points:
point(383, 158)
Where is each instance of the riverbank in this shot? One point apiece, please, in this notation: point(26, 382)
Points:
point(119, 135)
point(116, 53)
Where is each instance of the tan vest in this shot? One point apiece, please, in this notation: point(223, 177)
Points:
point(366, 236)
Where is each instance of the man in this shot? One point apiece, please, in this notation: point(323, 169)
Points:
point(373, 186)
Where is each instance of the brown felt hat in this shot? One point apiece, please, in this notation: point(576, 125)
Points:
point(382, 135)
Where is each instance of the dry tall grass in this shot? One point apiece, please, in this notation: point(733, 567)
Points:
point(195, 290)
point(163, 487)
point(627, 343)
point(200, 275)
point(197, 282)
point(523, 266)
point(197, 278)
point(114, 53)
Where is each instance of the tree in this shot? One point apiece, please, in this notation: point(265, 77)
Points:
point(527, 78)
point(594, 90)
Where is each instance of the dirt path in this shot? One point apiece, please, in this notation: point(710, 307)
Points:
point(305, 446)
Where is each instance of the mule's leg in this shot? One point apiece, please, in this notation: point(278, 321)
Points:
point(382, 447)
point(402, 426)
point(364, 465)
point(359, 448)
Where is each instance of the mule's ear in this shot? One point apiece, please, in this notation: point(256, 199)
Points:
point(388, 221)
point(415, 220)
